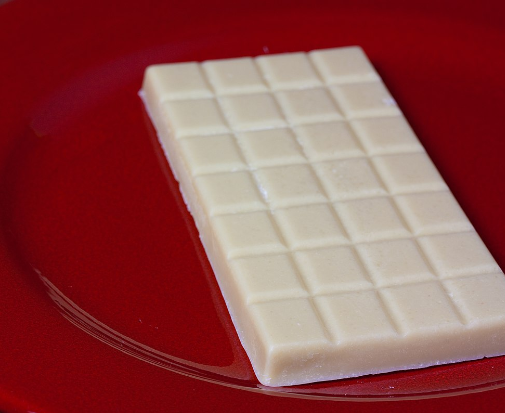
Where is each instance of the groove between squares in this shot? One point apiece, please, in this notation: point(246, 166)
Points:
point(454, 305)
point(383, 302)
point(357, 243)
point(308, 161)
point(372, 288)
point(339, 220)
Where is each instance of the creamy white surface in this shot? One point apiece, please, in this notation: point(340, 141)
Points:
point(337, 245)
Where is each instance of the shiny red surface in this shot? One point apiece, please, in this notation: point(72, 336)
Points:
point(108, 302)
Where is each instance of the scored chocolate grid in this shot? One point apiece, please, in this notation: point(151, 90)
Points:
point(383, 301)
point(379, 174)
point(279, 232)
point(315, 307)
point(358, 137)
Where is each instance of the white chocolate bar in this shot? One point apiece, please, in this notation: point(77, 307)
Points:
point(337, 245)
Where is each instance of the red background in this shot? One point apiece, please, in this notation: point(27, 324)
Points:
point(81, 183)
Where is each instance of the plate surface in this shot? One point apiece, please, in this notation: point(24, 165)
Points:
point(109, 303)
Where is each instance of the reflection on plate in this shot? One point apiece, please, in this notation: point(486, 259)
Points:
point(442, 385)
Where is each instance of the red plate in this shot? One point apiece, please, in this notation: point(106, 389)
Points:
point(108, 302)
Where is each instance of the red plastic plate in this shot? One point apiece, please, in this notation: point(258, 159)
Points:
point(108, 301)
